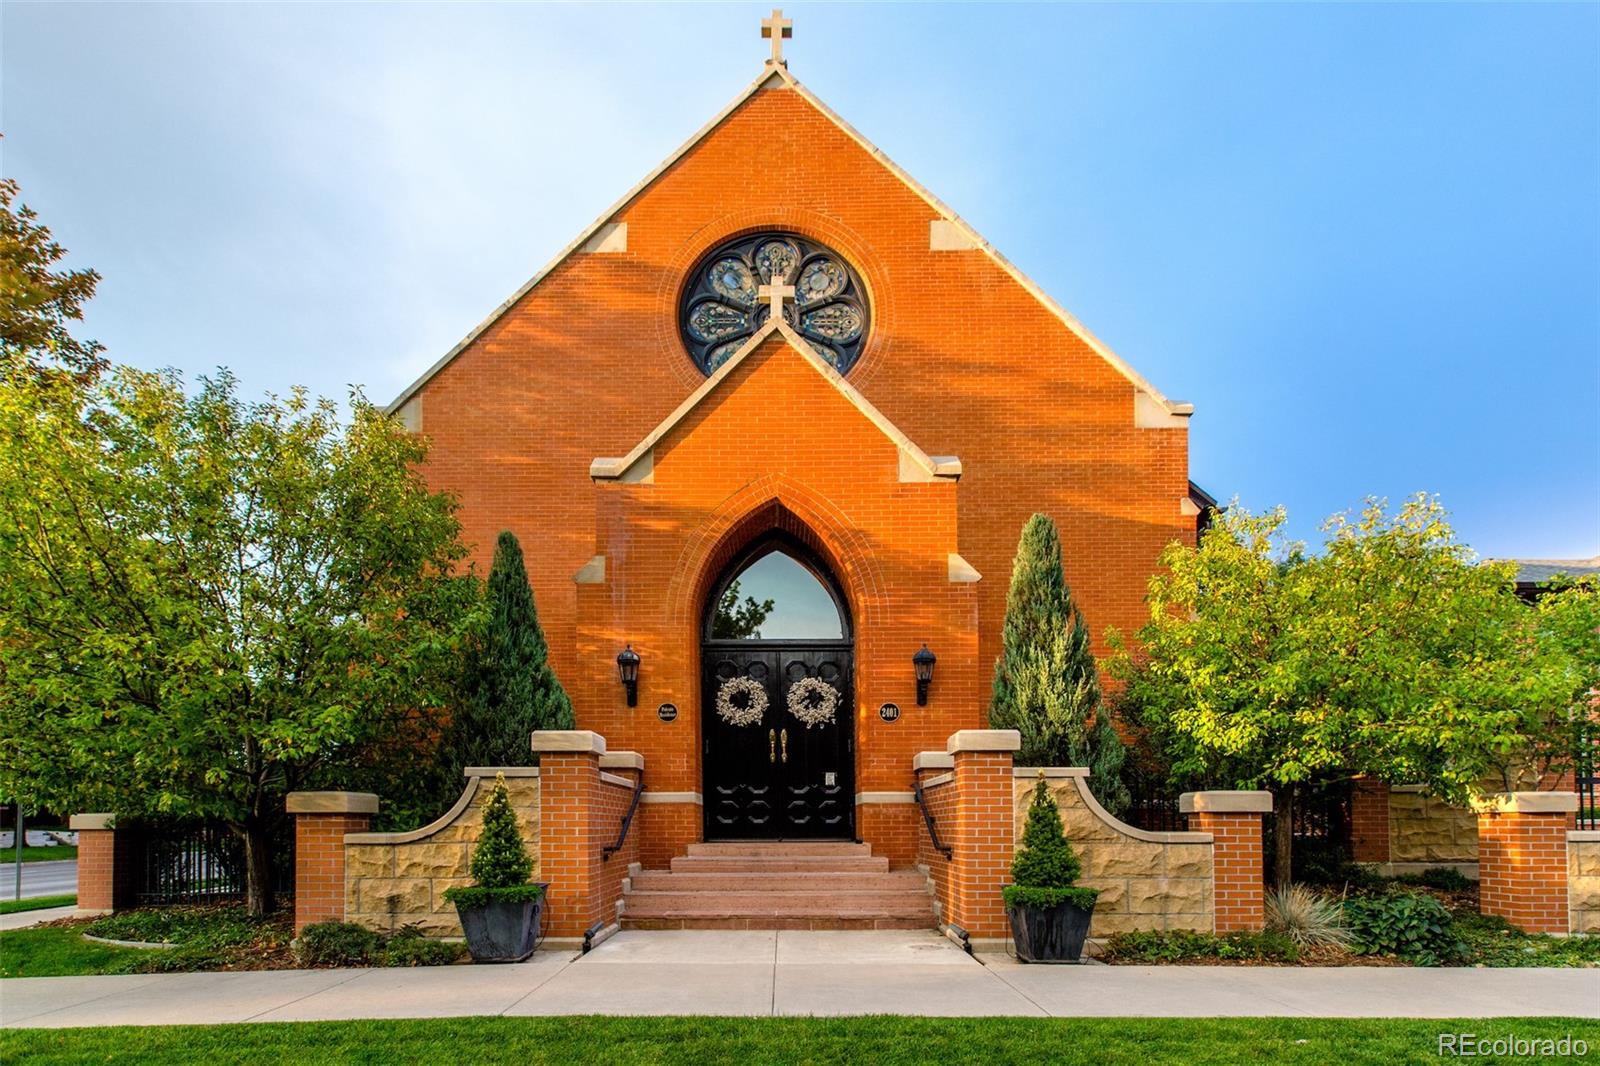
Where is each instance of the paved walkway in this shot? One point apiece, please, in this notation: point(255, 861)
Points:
point(767, 973)
point(54, 878)
point(25, 919)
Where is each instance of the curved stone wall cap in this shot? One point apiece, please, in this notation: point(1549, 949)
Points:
point(581, 740)
point(933, 760)
point(985, 740)
point(1530, 803)
point(92, 821)
point(331, 803)
point(509, 771)
point(622, 760)
point(1032, 772)
point(1225, 801)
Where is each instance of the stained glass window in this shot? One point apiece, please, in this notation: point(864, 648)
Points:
point(721, 307)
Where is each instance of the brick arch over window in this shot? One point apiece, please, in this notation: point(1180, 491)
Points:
point(860, 253)
point(775, 503)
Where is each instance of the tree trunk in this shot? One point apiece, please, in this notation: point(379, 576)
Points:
point(1283, 835)
point(258, 867)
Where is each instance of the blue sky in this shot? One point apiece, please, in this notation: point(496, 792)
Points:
point(1364, 240)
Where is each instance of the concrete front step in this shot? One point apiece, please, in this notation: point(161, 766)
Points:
point(736, 865)
point(781, 904)
point(764, 881)
point(775, 849)
point(819, 922)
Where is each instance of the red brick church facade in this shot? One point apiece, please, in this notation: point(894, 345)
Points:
point(576, 418)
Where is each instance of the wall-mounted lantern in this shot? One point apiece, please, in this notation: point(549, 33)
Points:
point(923, 661)
point(628, 672)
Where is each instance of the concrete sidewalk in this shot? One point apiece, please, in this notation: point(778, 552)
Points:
point(789, 973)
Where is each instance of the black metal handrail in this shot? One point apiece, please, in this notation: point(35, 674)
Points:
point(933, 830)
point(627, 822)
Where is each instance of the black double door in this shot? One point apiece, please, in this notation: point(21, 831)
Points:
point(774, 776)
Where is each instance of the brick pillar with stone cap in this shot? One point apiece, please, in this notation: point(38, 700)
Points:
point(108, 863)
point(569, 836)
point(1234, 820)
point(1369, 820)
point(982, 834)
point(321, 820)
point(1522, 858)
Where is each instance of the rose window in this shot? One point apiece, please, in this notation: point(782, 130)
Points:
point(722, 306)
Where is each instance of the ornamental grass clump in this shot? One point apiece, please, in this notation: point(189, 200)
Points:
point(1309, 918)
point(501, 865)
point(1045, 867)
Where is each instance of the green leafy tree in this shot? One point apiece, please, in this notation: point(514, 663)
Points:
point(1045, 868)
point(1393, 653)
point(739, 621)
point(206, 603)
point(510, 689)
point(37, 301)
point(1046, 683)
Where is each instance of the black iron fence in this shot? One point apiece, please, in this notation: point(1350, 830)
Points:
point(1586, 772)
point(203, 862)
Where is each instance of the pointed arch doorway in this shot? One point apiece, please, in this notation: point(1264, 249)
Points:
point(777, 698)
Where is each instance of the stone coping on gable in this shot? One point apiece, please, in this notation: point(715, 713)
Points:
point(1117, 824)
point(331, 803)
point(1225, 801)
point(475, 776)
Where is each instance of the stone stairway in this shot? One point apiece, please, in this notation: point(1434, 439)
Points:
point(778, 885)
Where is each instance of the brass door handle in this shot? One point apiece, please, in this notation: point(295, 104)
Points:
point(772, 746)
point(785, 745)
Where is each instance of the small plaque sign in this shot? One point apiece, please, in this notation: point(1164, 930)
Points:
point(667, 712)
point(889, 712)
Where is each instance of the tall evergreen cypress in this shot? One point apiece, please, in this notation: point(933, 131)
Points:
point(509, 689)
point(1046, 685)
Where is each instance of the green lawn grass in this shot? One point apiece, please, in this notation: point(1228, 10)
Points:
point(56, 951)
point(37, 853)
point(37, 903)
point(754, 1041)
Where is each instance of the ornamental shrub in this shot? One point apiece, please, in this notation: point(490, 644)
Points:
point(1045, 867)
point(1408, 925)
point(338, 944)
point(501, 865)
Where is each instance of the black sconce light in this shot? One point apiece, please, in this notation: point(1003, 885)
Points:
point(923, 661)
point(628, 671)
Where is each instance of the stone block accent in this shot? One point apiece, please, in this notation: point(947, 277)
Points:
point(1583, 881)
point(397, 879)
point(1147, 881)
point(1523, 867)
point(1423, 828)
point(321, 820)
point(1234, 820)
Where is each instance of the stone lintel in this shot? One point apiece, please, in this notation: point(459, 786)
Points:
point(92, 821)
point(1034, 772)
point(569, 740)
point(622, 760)
point(1529, 803)
point(984, 740)
point(331, 803)
point(1225, 801)
point(933, 760)
point(509, 771)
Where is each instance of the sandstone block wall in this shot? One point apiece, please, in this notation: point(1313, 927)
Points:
point(1423, 828)
point(1147, 881)
point(1583, 881)
point(397, 879)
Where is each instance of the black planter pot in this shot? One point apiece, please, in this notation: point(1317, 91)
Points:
point(1050, 934)
point(502, 932)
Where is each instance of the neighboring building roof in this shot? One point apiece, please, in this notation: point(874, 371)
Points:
point(779, 72)
point(639, 464)
point(1531, 572)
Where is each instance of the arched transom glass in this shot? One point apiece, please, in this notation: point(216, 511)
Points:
point(776, 597)
point(722, 308)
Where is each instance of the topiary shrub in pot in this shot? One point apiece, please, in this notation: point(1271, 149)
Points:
point(501, 912)
point(1049, 914)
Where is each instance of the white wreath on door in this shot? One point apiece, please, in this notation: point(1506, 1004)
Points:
point(813, 701)
point(755, 705)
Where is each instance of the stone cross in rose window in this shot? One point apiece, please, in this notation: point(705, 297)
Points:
point(777, 27)
point(775, 295)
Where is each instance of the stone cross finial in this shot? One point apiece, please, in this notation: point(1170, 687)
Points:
point(775, 295)
point(777, 27)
